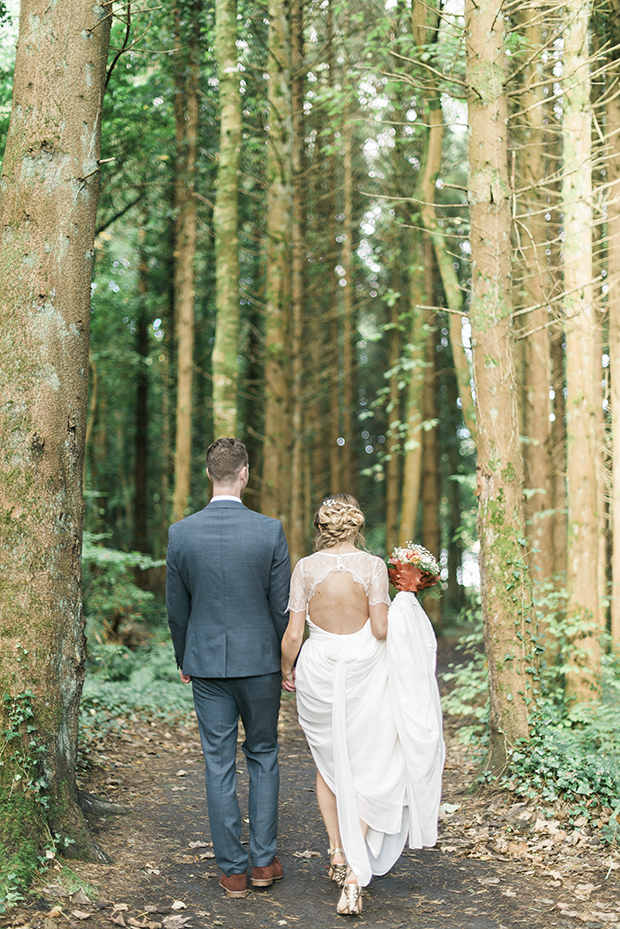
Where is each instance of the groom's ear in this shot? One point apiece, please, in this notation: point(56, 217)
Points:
point(208, 475)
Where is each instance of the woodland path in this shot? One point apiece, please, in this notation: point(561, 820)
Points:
point(498, 864)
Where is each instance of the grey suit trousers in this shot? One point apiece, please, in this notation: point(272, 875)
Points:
point(219, 702)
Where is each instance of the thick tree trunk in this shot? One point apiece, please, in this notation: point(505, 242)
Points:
point(186, 110)
point(505, 588)
point(50, 183)
point(582, 356)
point(225, 225)
point(275, 494)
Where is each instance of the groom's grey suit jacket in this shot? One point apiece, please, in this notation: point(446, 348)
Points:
point(228, 575)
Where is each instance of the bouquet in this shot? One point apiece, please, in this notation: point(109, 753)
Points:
point(413, 568)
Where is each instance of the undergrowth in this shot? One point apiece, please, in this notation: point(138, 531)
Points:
point(573, 754)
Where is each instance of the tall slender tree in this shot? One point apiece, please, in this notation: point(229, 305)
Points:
point(275, 492)
point(225, 224)
point(186, 111)
point(582, 353)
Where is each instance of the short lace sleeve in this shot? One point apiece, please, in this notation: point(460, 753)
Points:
point(379, 591)
point(298, 599)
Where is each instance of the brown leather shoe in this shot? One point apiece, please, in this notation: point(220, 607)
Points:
point(264, 877)
point(235, 885)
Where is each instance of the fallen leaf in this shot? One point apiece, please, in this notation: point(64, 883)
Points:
point(80, 914)
point(176, 922)
point(117, 918)
point(120, 906)
point(181, 773)
point(446, 809)
point(488, 880)
point(306, 854)
point(179, 905)
point(137, 924)
point(199, 844)
point(178, 788)
point(203, 855)
point(55, 890)
point(55, 912)
point(80, 897)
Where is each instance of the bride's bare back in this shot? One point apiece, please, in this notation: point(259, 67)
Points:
point(341, 590)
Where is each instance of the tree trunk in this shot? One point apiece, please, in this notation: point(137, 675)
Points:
point(297, 533)
point(349, 470)
point(558, 458)
point(142, 395)
point(535, 286)
point(431, 537)
point(582, 357)
point(505, 588)
point(413, 414)
point(393, 442)
point(613, 258)
point(225, 225)
point(186, 109)
point(275, 494)
point(50, 184)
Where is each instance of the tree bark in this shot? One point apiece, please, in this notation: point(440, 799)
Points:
point(582, 357)
point(349, 470)
point(142, 399)
point(533, 236)
point(613, 257)
point(505, 588)
point(186, 110)
point(225, 225)
point(50, 184)
point(297, 533)
point(275, 494)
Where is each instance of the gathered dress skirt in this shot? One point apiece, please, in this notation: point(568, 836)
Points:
point(371, 713)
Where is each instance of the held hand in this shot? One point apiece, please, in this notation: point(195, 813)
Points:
point(185, 678)
point(288, 681)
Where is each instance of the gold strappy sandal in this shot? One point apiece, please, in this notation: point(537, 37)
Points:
point(337, 872)
point(350, 903)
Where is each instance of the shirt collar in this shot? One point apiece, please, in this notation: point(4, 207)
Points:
point(225, 497)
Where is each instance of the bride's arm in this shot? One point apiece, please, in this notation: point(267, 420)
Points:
point(291, 643)
point(378, 620)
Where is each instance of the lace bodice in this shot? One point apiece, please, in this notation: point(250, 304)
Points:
point(366, 569)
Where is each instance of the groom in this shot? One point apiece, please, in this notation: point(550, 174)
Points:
point(228, 575)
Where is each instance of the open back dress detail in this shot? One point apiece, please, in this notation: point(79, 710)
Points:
point(371, 713)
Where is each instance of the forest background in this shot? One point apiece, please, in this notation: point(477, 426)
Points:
point(379, 243)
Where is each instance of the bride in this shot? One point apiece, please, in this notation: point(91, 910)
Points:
point(367, 701)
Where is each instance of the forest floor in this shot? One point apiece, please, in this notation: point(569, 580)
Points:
point(498, 864)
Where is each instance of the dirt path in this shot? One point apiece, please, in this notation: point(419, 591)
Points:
point(497, 864)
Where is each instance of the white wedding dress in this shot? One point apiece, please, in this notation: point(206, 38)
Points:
point(371, 713)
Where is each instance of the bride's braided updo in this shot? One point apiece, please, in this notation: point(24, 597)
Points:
point(338, 519)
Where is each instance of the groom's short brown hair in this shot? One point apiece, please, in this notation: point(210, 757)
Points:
point(225, 458)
